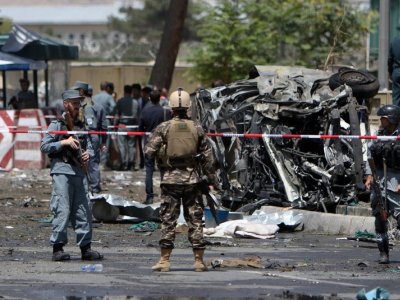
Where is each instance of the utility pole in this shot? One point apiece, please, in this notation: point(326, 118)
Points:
point(383, 43)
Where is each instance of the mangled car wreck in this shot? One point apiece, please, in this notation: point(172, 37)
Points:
point(309, 173)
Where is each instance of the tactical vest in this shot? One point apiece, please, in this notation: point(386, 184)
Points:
point(390, 150)
point(182, 144)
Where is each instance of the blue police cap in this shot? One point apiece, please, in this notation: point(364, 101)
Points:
point(71, 95)
point(80, 85)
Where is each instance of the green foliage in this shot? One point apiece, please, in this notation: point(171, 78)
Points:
point(312, 33)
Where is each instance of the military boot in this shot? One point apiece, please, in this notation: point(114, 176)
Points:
point(59, 254)
point(89, 254)
point(383, 247)
point(163, 264)
point(199, 265)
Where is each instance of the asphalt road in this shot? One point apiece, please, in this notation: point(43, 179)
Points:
point(291, 266)
point(318, 266)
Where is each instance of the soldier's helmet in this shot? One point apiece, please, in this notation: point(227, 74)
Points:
point(179, 99)
point(391, 112)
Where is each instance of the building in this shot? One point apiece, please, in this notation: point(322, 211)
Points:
point(77, 22)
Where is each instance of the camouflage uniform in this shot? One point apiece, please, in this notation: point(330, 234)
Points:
point(181, 185)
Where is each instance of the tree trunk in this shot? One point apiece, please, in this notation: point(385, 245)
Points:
point(161, 75)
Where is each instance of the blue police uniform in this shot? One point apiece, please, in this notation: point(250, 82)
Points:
point(69, 202)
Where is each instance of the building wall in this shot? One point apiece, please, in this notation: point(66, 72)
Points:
point(125, 73)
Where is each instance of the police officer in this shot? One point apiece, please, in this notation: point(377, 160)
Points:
point(175, 143)
point(93, 116)
point(24, 98)
point(385, 154)
point(69, 202)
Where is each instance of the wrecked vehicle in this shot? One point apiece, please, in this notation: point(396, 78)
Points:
point(309, 173)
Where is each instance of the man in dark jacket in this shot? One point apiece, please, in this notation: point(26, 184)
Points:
point(152, 115)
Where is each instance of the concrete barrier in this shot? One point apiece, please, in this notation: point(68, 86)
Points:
point(7, 118)
point(326, 223)
point(27, 154)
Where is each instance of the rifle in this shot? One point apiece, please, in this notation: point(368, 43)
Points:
point(212, 201)
point(383, 213)
point(72, 154)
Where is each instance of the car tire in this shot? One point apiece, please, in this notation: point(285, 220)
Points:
point(363, 84)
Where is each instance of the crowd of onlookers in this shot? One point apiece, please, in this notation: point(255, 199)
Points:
point(125, 114)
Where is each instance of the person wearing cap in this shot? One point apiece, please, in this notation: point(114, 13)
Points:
point(383, 177)
point(69, 202)
point(94, 119)
point(105, 99)
point(176, 144)
point(25, 98)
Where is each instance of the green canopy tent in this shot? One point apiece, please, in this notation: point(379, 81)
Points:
point(24, 43)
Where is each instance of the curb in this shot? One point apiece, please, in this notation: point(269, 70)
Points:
point(326, 223)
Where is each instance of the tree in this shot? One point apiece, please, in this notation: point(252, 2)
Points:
point(145, 27)
point(163, 69)
point(239, 34)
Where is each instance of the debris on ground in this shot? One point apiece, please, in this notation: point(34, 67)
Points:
point(377, 293)
point(242, 228)
point(107, 208)
point(254, 262)
point(144, 226)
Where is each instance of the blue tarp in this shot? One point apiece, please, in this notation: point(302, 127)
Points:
point(9, 62)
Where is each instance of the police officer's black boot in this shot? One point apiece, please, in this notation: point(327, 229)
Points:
point(59, 254)
point(89, 254)
point(383, 247)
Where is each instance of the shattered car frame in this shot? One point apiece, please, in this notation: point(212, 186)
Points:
point(315, 174)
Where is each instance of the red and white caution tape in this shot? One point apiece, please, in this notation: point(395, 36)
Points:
point(107, 117)
point(305, 136)
point(237, 135)
point(122, 126)
point(73, 132)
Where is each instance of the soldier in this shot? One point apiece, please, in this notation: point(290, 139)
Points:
point(176, 143)
point(69, 202)
point(93, 117)
point(383, 166)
